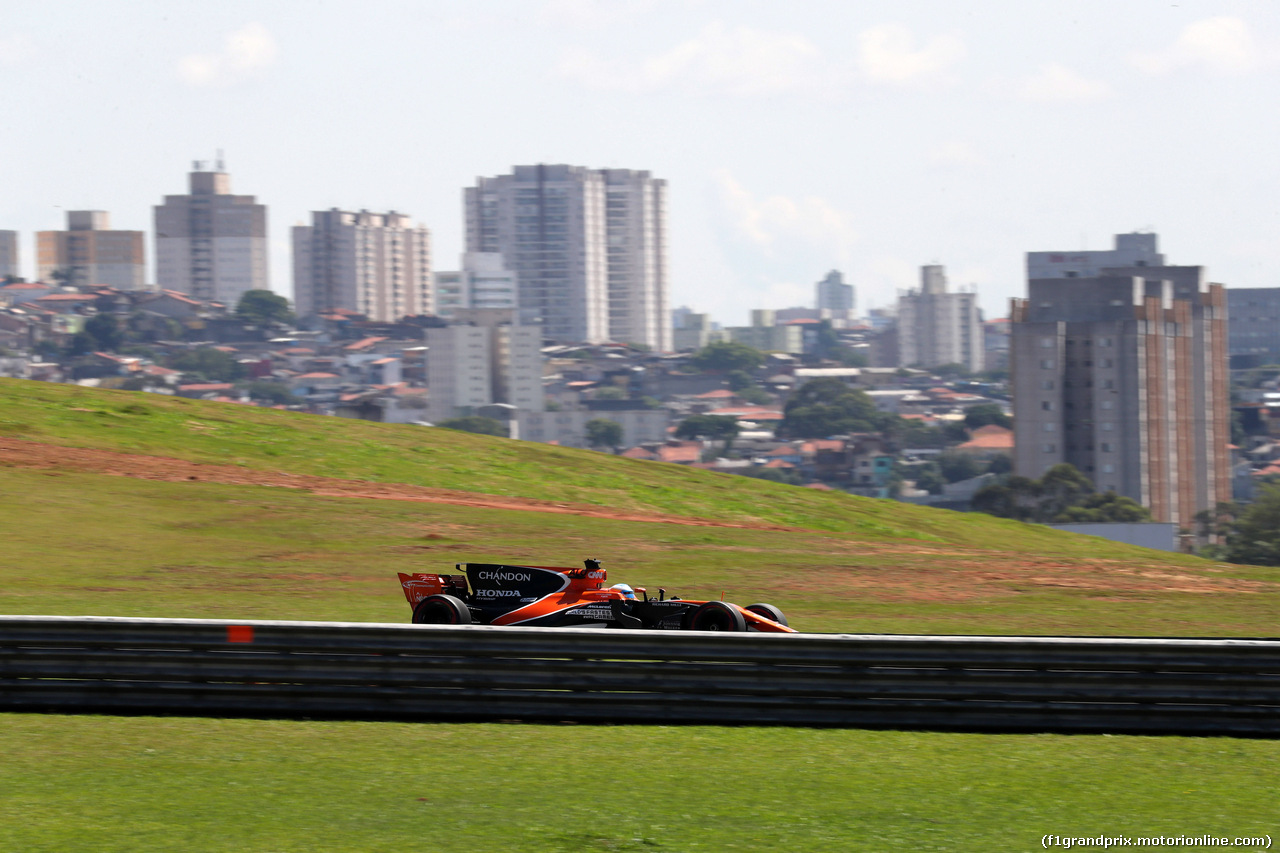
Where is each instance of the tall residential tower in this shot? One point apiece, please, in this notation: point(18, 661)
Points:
point(211, 244)
point(378, 264)
point(1122, 372)
point(588, 247)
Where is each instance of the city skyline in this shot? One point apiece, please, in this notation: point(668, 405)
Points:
point(871, 140)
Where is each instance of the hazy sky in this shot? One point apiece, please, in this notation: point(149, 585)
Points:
point(797, 137)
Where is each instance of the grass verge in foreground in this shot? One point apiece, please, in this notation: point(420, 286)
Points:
point(129, 784)
point(91, 544)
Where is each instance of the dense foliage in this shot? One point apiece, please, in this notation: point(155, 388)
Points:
point(478, 424)
point(602, 432)
point(263, 306)
point(827, 407)
point(727, 356)
point(1063, 495)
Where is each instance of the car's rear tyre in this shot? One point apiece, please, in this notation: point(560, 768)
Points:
point(768, 611)
point(441, 610)
point(716, 616)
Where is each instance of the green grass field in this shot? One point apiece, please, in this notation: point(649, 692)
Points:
point(86, 543)
point(92, 544)
point(129, 784)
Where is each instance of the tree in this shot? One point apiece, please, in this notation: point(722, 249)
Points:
point(275, 393)
point(956, 465)
point(850, 357)
point(104, 331)
point(787, 476)
point(1105, 507)
point(1254, 538)
point(829, 407)
point(478, 424)
point(954, 370)
point(1001, 464)
point(740, 380)
point(985, 414)
point(929, 478)
point(1062, 486)
point(262, 306)
point(609, 392)
point(711, 427)
point(727, 355)
point(212, 364)
point(1017, 497)
point(602, 432)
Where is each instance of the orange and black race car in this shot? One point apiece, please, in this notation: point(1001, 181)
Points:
point(549, 596)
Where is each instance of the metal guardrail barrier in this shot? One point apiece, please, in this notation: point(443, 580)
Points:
point(421, 672)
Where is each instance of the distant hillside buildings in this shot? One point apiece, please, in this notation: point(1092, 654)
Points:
point(89, 252)
point(1122, 372)
point(588, 247)
point(376, 264)
point(209, 243)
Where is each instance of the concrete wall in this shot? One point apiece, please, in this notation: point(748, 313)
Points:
point(1161, 536)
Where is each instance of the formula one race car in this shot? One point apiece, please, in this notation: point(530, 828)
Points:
point(559, 597)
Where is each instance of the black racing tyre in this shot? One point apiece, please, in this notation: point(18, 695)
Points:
point(716, 616)
point(441, 610)
point(768, 611)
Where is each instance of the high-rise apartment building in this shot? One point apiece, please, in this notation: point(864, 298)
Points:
point(483, 282)
point(211, 244)
point(89, 252)
point(588, 247)
point(1122, 372)
point(483, 357)
point(9, 255)
point(636, 237)
point(936, 327)
point(834, 299)
point(377, 264)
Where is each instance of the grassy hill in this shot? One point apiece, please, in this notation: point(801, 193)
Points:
point(81, 542)
point(271, 440)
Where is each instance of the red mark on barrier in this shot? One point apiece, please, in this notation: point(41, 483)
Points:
point(239, 633)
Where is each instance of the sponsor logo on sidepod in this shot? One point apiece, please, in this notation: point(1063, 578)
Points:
point(505, 576)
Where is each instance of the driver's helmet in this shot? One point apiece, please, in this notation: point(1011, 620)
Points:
point(627, 592)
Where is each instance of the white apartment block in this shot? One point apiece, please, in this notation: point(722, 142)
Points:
point(89, 252)
point(483, 282)
point(483, 358)
point(588, 247)
point(636, 236)
point(377, 264)
point(936, 327)
point(568, 427)
point(211, 244)
point(9, 254)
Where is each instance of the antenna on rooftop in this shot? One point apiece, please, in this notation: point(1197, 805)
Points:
point(221, 167)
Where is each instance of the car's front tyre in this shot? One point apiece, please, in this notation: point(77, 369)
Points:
point(716, 616)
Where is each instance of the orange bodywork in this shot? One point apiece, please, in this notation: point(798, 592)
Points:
point(580, 587)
